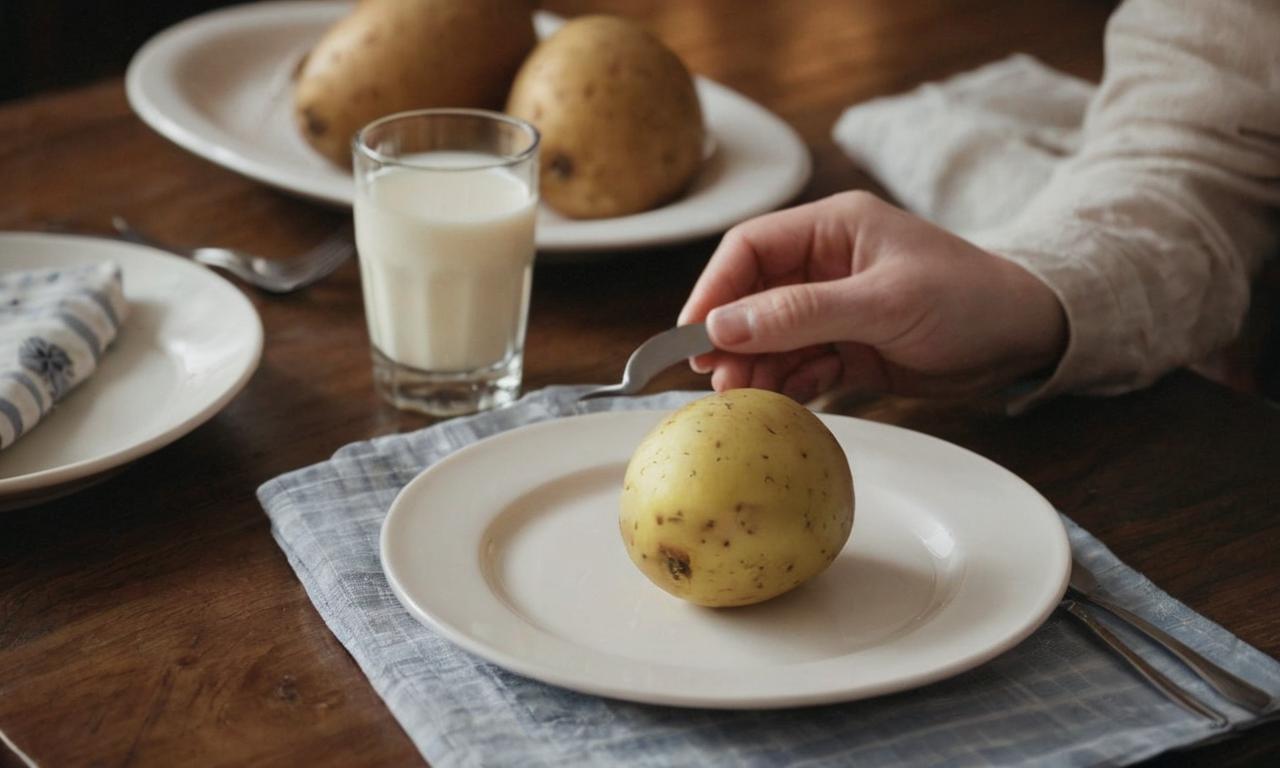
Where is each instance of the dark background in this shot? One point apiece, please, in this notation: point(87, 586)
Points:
point(46, 44)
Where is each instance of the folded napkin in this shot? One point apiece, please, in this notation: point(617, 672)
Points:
point(1057, 699)
point(969, 152)
point(55, 325)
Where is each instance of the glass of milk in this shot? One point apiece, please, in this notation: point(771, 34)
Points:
point(444, 212)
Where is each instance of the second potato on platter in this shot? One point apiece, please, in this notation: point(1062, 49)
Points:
point(621, 125)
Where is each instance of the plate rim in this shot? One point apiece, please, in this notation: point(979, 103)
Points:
point(1061, 546)
point(53, 477)
point(146, 105)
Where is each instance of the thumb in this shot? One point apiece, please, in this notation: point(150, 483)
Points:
point(789, 317)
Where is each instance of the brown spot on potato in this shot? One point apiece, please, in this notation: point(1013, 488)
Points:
point(677, 562)
point(658, 519)
point(726, 542)
point(710, 524)
point(560, 166)
point(315, 125)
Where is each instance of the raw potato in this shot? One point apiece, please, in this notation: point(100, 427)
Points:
point(736, 498)
point(393, 55)
point(621, 125)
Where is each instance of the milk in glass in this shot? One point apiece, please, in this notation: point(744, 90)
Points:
point(446, 260)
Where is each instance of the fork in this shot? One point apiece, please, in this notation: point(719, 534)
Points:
point(1152, 675)
point(272, 275)
point(654, 356)
point(1085, 587)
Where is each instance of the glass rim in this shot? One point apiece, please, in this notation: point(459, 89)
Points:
point(359, 146)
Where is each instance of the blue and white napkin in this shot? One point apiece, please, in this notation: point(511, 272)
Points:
point(55, 324)
point(1059, 698)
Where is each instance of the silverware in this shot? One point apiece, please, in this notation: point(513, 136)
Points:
point(1084, 585)
point(21, 756)
point(1150, 673)
point(656, 355)
point(272, 275)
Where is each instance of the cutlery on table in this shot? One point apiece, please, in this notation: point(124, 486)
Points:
point(656, 355)
point(12, 749)
point(1140, 665)
point(1084, 586)
point(272, 275)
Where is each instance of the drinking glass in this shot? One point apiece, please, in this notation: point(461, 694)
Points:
point(446, 201)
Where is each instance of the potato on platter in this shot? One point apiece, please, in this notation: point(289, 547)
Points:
point(389, 56)
point(621, 125)
point(736, 498)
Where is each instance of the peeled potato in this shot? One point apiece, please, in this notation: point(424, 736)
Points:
point(394, 55)
point(736, 498)
point(621, 125)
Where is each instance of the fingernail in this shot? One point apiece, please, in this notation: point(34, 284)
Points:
point(729, 325)
point(699, 365)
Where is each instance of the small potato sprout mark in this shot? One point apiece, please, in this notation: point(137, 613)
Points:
point(658, 519)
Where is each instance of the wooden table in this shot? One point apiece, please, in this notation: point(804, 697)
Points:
point(153, 620)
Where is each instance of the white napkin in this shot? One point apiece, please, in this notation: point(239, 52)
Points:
point(55, 324)
point(967, 153)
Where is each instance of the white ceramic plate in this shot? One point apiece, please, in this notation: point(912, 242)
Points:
point(190, 343)
point(218, 85)
point(510, 548)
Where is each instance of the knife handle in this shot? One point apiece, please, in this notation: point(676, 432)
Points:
point(1232, 688)
point(1140, 665)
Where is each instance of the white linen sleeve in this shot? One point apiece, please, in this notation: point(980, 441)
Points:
point(1150, 234)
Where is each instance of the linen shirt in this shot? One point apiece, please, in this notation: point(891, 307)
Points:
point(1150, 233)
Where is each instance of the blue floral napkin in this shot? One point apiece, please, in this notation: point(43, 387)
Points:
point(55, 324)
point(1058, 699)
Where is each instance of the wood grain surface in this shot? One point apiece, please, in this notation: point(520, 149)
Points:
point(152, 620)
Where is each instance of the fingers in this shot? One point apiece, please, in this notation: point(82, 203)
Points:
point(795, 316)
point(760, 251)
point(813, 377)
point(761, 371)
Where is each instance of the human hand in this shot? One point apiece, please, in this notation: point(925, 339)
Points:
point(852, 292)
